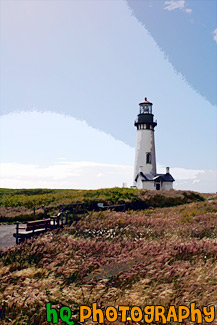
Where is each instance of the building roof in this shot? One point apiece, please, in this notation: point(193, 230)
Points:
point(146, 102)
point(156, 177)
point(164, 177)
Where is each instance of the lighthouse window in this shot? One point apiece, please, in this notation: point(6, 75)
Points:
point(148, 158)
point(148, 126)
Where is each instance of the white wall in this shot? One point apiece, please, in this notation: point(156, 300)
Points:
point(144, 143)
point(167, 186)
point(149, 185)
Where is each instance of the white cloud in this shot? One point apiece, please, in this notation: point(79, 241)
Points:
point(195, 180)
point(79, 175)
point(77, 156)
point(36, 137)
point(176, 4)
point(215, 35)
point(93, 175)
point(182, 173)
point(188, 10)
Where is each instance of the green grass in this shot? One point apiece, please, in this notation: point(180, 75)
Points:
point(36, 197)
point(17, 204)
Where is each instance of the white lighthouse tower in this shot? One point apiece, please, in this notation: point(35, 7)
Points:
point(145, 173)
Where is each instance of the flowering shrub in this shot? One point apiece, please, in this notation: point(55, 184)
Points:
point(157, 256)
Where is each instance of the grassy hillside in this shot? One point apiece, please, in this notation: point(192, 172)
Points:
point(159, 256)
point(18, 204)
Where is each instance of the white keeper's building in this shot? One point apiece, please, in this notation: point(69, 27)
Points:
point(145, 173)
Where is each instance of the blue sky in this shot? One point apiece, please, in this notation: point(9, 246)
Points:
point(184, 31)
point(73, 73)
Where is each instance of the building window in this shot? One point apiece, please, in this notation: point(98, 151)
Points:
point(148, 126)
point(148, 158)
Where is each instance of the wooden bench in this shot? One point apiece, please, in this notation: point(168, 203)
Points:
point(58, 221)
point(119, 207)
point(73, 207)
point(32, 228)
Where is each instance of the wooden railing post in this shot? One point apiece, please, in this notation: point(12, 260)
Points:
point(61, 220)
point(43, 207)
point(17, 232)
point(34, 212)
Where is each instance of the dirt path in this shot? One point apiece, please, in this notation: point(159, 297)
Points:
point(6, 235)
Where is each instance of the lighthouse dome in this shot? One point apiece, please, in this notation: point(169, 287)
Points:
point(145, 102)
point(145, 115)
